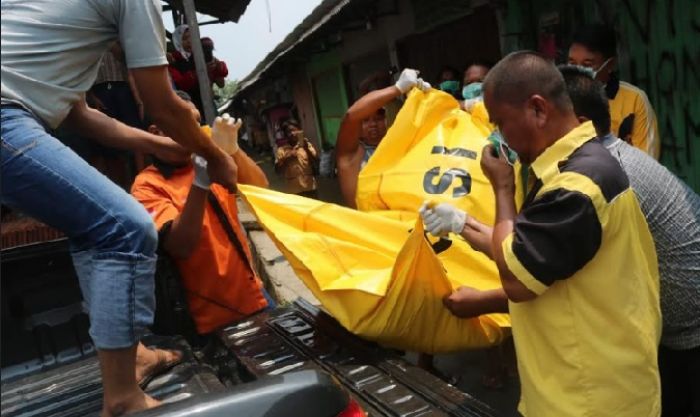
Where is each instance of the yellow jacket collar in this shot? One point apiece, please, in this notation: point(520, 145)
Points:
point(562, 148)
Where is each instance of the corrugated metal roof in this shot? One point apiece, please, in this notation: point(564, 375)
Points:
point(314, 21)
point(224, 10)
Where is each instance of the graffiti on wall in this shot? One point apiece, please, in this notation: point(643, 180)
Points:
point(661, 41)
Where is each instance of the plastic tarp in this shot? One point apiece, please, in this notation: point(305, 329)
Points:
point(374, 269)
point(379, 278)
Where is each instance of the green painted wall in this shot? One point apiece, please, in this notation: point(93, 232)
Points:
point(663, 42)
point(330, 95)
point(660, 52)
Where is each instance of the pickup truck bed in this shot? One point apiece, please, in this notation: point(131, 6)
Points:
point(49, 366)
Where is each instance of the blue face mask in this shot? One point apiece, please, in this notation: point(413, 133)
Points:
point(451, 87)
point(471, 91)
point(501, 147)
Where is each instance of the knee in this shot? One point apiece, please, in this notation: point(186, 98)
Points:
point(141, 233)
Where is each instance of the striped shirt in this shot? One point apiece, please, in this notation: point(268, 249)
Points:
point(672, 211)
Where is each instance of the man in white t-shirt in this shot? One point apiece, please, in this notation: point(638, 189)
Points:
point(50, 57)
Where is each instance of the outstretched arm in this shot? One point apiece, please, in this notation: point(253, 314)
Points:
point(177, 120)
point(248, 171)
point(348, 158)
point(95, 125)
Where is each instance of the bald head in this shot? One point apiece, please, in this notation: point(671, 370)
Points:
point(526, 98)
point(520, 75)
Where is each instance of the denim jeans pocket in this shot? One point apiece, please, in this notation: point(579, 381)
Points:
point(16, 151)
point(14, 125)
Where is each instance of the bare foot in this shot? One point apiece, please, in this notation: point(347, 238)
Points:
point(137, 402)
point(150, 362)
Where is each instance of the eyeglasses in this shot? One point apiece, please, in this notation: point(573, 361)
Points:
point(496, 139)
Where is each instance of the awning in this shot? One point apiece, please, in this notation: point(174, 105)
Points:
point(224, 10)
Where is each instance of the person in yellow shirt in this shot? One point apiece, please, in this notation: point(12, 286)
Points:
point(632, 116)
point(577, 263)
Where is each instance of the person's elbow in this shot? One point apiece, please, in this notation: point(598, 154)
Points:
point(517, 292)
point(351, 116)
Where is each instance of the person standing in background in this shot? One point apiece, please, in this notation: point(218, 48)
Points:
point(632, 116)
point(182, 68)
point(296, 160)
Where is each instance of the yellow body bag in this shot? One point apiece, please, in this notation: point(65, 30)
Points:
point(432, 152)
point(377, 277)
point(374, 270)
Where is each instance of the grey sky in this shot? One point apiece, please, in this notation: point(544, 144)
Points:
point(242, 45)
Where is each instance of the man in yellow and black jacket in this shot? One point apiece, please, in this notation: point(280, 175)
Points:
point(632, 116)
point(577, 261)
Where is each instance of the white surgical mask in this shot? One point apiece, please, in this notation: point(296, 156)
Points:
point(594, 72)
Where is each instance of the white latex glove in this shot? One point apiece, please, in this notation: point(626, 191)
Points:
point(407, 80)
point(225, 133)
point(423, 85)
point(201, 178)
point(442, 219)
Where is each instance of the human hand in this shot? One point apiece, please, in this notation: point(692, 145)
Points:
point(201, 177)
point(466, 302)
point(423, 85)
point(409, 79)
point(442, 219)
point(223, 170)
point(497, 169)
point(225, 133)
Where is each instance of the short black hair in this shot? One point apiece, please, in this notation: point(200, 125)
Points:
point(597, 37)
point(588, 97)
point(522, 74)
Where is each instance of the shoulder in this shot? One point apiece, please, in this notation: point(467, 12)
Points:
point(631, 89)
point(595, 163)
point(639, 96)
point(648, 178)
point(149, 176)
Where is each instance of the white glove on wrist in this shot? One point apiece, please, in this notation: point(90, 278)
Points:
point(201, 178)
point(407, 80)
point(442, 219)
point(423, 85)
point(225, 133)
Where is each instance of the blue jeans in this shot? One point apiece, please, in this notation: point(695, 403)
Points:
point(113, 239)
